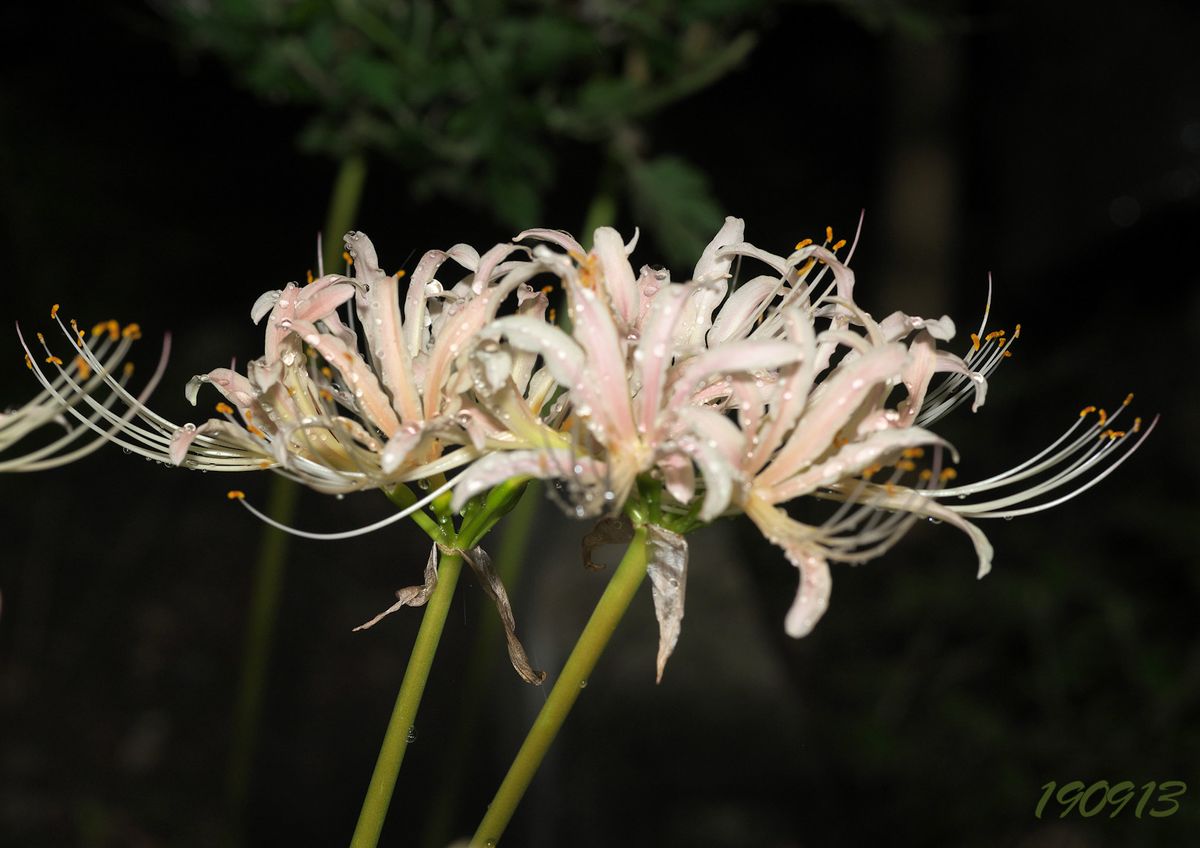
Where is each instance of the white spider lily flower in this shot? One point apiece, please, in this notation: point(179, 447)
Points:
point(826, 431)
point(112, 344)
point(630, 388)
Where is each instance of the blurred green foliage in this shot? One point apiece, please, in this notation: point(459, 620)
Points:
point(472, 97)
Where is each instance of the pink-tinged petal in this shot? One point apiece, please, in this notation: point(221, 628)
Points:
point(464, 255)
point(796, 540)
point(564, 358)
point(233, 387)
point(606, 387)
point(679, 477)
point(916, 376)
point(319, 304)
point(497, 468)
point(487, 265)
point(414, 302)
point(649, 283)
point(530, 304)
point(853, 459)
point(812, 596)
point(715, 261)
point(732, 358)
point(654, 354)
point(898, 325)
point(460, 330)
point(718, 475)
point(791, 392)
point(712, 271)
point(948, 362)
point(560, 237)
point(842, 275)
point(716, 429)
point(743, 307)
point(667, 560)
point(777, 263)
point(841, 397)
point(359, 379)
point(908, 500)
point(263, 306)
point(400, 446)
point(379, 297)
point(618, 275)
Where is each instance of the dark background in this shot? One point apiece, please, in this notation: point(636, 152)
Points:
point(1055, 147)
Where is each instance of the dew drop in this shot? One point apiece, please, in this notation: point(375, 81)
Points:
point(582, 684)
point(412, 735)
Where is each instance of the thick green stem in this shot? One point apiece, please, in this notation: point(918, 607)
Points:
point(404, 714)
point(609, 611)
point(471, 703)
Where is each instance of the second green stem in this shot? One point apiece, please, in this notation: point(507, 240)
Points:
point(596, 634)
point(404, 714)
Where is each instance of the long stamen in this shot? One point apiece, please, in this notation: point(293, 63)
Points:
point(345, 534)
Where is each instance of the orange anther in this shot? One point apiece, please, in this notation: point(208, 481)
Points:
point(829, 234)
point(803, 243)
point(839, 244)
point(224, 408)
point(1086, 411)
point(235, 494)
point(974, 341)
point(54, 311)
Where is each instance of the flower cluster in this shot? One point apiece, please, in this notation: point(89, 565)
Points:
point(672, 403)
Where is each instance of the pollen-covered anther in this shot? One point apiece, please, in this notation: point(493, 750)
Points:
point(28, 362)
point(255, 431)
point(132, 331)
point(906, 465)
point(546, 289)
point(308, 277)
point(53, 360)
point(325, 395)
point(947, 474)
point(347, 258)
point(994, 334)
point(870, 471)
point(1103, 417)
point(1113, 435)
point(828, 234)
point(1128, 399)
point(1086, 411)
point(54, 311)
point(224, 408)
point(974, 341)
point(839, 244)
point(235, 494)
point(83, 367)
point(1017, 332)
point(912, 453)
point(925, 475)
point(1006, 354)
point(553, 315)
point(127, 369)
point(803, 243)
point(1137, 425)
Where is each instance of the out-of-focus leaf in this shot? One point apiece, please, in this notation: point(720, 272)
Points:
point(673, 200)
